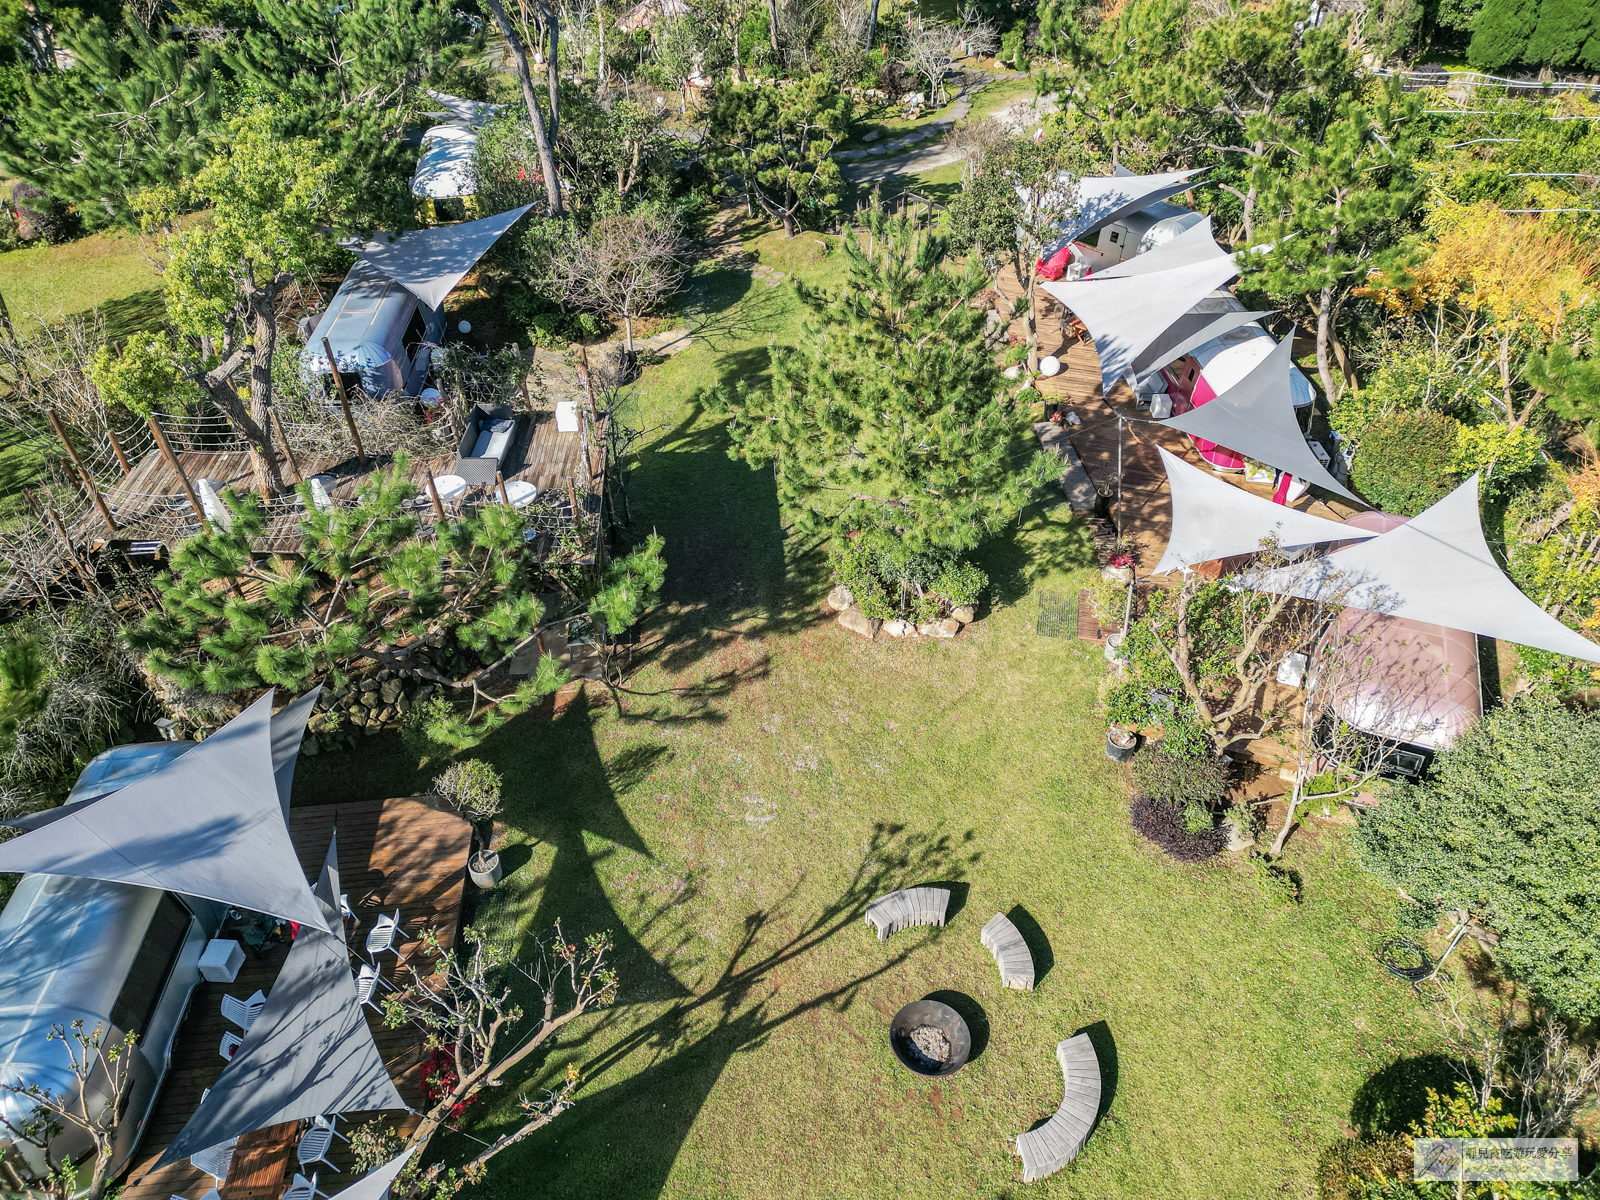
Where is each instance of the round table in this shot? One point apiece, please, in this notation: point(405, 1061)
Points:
point(450, 487)
point(1049, 365)
point(521, 493)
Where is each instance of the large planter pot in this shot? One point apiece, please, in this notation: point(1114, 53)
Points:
point(1117, 574)
point(1114, 652)
point(1121, 744)
point(484, 869)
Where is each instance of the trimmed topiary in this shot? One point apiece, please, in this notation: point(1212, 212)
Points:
point(1501, 32)
point(1405, 461)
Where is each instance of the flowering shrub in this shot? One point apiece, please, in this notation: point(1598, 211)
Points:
point(439, 1079)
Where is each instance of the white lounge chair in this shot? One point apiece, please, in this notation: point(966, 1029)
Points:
point(368, 981)
point(383, 935)
point(231, 1041)
point(303, 1188)
point(318, 1140)
point(243, 1013)
point(216, 1160)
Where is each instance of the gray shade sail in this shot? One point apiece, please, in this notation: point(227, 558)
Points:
point(1105, 199)
point(1255, 418)
point(376, 1183)
point(1195, 244)
point(1189, 332)
point(1212, 519)
point(208, 824)
point(309, 1052)
point(1125, 315)
point(429, 263)
point(1437, 569)
point(474, 114)
point(288, 731)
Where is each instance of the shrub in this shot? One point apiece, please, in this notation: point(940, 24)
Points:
point(895, 582)
point(1507, 827)
point(1507, 456)
point(1164, 824)
point(1197, 818)
point(472, 788)
point(1406, 461)
point(1356, 1170)
point(1180, 780)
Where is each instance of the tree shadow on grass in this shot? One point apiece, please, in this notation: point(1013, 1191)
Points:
point(621, 1141)
point(1397, 1095)
point(1049, 539)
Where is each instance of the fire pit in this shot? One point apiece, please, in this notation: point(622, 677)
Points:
point(930, 1038)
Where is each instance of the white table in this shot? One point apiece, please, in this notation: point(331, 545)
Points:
point(450, 487)
point(221, 960)
point(521, 493)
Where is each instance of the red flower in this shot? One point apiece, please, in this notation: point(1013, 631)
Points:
point(439, 1079)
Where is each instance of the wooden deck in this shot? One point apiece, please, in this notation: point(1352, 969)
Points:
point(393, 854)
point(151, 498)
point(1143, 514)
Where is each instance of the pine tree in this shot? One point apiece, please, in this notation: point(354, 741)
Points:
point(1563, 28)
point(1501, 32)
point(890, 419)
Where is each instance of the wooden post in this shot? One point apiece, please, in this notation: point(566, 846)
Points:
point(500, 481)
point(299, 475)
point(344, 401)
point(572, 499)
point(61, 532)
point(88, 479)
point(172, 461)
point(433, 493)
point(522, 377)
point(583, 377)
point(116, 448)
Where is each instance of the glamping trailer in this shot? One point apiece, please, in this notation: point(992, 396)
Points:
point(109, 954)
point(1422, 689)
point(1118, 240)
point(378, 330)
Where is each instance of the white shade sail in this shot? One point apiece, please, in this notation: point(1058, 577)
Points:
point(210, 824)
point(1437, 569)
point(1212, 519)
point(1187, 333)
point(1124, 315)
point(309, 1052)
point(1255, 418)
point(429, 263)
point(376, 1183)
point(1106, 198)
point(474, 114)
point(1195, 244)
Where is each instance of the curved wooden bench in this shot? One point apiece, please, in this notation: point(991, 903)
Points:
point(1001, 938)
point(1054, 1144)
point(908, 907)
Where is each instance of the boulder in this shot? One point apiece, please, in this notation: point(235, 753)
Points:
point(936, 629)
point(964, 615)
point(390, 690)
point(358, 717)
point(368, 685)
point(309, 747)
point(949, 627)
point(403, 704)
point(840, 598)
point(371, 700)
point(856, 621)
point(899, 629)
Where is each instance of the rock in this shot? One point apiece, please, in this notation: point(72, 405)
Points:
point(949, 627)
point(358, 717)
point(371, 699)
point(389, 714)
point(385, 675)
point(873, 136)
point(1012, 372)
point(368, 685)
point(936, 629)
point(856, 621)
point(372, 728)
point(403, 704)
point(309, 747)
point(840, 598)
point(390, 690)
point(964, 615)
point(898, 628)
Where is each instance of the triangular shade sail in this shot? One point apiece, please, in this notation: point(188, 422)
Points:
point(309, 1052)
point(1212, 519)
point(1194, 245)
point(208, 824)
point(288, 729)
point(1436, 569)
point(429, 263)
point(1188, 332)
point(1255, 418)
point(472, 113)
point(1125, 315)
point(375, 1184)
point(1105, 199)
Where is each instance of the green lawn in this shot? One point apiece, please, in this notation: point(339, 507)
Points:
point(108, 270)
point(773, 773)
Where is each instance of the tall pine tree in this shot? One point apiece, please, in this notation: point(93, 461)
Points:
point(890, 418)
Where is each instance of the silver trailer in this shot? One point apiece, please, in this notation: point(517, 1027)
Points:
point(108, 954)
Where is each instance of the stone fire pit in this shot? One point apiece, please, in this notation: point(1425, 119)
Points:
point(930, 1038)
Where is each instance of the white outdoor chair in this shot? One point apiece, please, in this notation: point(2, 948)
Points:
point(318, 1140)
point(216, 1160)
point(243, 1013)
point(368, 980)
point(345, 911)
point(383, 935)
point(231, 1041)
point(303, 1188)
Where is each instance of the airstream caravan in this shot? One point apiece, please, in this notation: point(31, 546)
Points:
point(109, 954)
point(378, 330)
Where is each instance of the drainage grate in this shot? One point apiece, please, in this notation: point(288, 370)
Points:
point(1058, 615)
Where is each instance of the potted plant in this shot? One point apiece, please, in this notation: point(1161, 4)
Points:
point(1122, 742)
point(472, 788)
point(1119, 567)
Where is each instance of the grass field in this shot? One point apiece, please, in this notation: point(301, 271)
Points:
point(772, 773)
point(107, 270)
